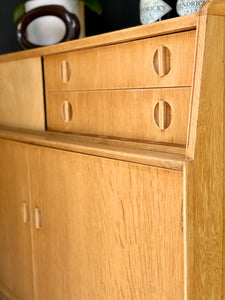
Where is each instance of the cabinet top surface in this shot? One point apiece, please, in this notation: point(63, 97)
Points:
point(125, 35)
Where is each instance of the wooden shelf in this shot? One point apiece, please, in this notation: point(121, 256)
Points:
point(163, 156)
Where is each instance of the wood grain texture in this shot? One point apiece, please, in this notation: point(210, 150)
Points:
point(42, 138)
point(213, 7)
point(204, 177)
point(223, 266)
point(110, 230)
point(164, 156)
point(197, 89)
point(124, 113)
point(120, 36)
point(5, 294)
point(21, 94)
point(209, 72)
point(15, 237)
point(164, 60)
point(126, 65)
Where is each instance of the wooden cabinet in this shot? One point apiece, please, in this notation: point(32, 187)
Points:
point(122, 194)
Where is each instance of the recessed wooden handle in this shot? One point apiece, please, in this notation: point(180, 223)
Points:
point(162, 115)
point(67, 111)
point(25, 212)
point(161, 61)
point(65, 71)
point(37, 218)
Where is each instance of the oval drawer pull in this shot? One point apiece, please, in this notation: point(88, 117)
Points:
point(65, 71)
point(161, 61)
point(37, 218)
point(25, 212)
point(67, 111)
point(162, 114)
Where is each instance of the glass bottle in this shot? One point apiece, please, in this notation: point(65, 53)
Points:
point(156, 10)
point(187, 7)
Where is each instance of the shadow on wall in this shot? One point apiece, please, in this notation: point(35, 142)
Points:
point(117, 14)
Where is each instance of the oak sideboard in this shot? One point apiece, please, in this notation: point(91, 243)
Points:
point(112, 165)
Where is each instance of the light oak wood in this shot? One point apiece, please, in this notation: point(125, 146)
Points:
point(207, 75)
point(16, 268)
point(22, 98)
point(66, 111)
point(204, 177)
point(162, 61)
point(126, 65)
point(163, 115)
point(197, 86)
point(5, 294)
point(213, 7)
point(123, 207)
point(124, 114)
point(37, 218)
point(130, 34)
point(164, 156)
point(42, 138)
point(65, 71)
point(110, 229)
point(25, 212)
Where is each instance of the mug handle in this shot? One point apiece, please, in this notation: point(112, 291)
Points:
point(71, 21)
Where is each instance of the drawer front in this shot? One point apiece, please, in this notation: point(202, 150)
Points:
point(163, 61)
point(153, 115)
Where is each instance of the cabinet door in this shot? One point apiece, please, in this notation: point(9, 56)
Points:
point(108, 229)
point(15, 235)
point(21, 94)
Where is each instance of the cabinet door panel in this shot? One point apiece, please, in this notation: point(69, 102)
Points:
point(109, 229)
point(15, 235)
point(21, 94)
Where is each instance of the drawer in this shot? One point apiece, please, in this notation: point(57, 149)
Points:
point(155, 115)
point(164, 61)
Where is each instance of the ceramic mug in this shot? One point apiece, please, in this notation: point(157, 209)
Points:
point(70, 21)
point(48, 30)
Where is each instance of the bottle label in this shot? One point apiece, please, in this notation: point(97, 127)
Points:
point(152, 10)
point(187, 7)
